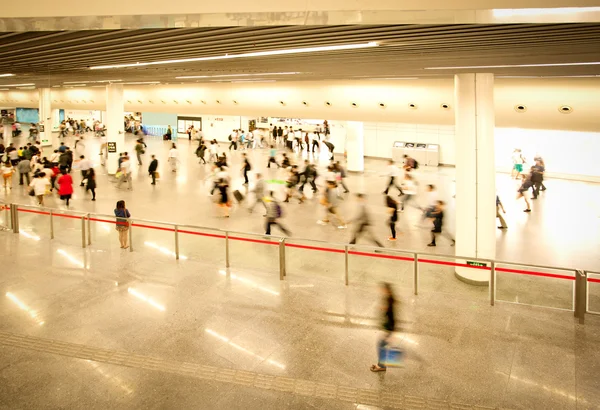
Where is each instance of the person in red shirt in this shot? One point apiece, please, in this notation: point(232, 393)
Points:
point(65, 186)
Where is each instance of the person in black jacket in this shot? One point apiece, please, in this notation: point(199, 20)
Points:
point(152, 169)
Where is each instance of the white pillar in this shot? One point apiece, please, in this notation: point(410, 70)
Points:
point(115, 136)
point(475, 171)
point(7, 133)
point(355, 146)
point(45, 115)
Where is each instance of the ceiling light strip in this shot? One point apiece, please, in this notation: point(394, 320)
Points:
point(245, 55)
point(6, 75)
point(16, 85)
point(516, 66)
point(233, 75)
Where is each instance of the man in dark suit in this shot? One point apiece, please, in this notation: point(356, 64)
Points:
point(152, 169)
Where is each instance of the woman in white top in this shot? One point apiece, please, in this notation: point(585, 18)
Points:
point(173, 157)
point(39, 185)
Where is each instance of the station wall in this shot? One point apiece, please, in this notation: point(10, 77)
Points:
point(557, 118)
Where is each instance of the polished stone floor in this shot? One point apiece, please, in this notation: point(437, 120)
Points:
point(105, 328)
point(563, 229)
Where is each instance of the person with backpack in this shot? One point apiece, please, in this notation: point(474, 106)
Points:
point(272, 154)
point(310, 175)
point(274, 212)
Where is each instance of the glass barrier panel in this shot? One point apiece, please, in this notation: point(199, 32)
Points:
point(535, 286)
point(593, 296)
point(314, 259)
point(153, 239)
point(381, 265)
point(5, 222)
point(454, 276)
point(104, 233)
point(67, 227)
point(255, 252)
point(205, 246)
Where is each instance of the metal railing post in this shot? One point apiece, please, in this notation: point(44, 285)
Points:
point(176, 242)
point(14, 212)
point(416, 273)
point(226, 249)
point(89, 230)
point(83, 241)
point(130, 230)
point(346, 263)
point(282, 272)
point(580, 295)
point(493, 284)
point(51, 224)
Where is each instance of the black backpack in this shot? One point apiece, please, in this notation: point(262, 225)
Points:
point(416, 164)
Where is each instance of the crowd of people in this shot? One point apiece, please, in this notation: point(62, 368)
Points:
point(292, 150)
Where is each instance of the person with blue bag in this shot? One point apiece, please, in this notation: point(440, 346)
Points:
point(387, 356)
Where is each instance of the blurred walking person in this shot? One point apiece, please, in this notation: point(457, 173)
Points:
point(39, 186)
point(409, 188)
point(65, 186)
point(518, 160)
point(387, 307)
point(437, 216)
point(125, 171)
point(392, 172)
point(173, 157)
point(330, 203)
point(522, 191)
point(392, 207)
point(363, 222)
point(274, 212)
point(91, 183)
point(259, 193)
point(499, 207)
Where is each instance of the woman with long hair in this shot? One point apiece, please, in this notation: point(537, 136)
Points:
point(122, 223)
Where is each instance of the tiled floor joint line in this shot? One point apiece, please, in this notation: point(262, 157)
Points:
point(308, 388)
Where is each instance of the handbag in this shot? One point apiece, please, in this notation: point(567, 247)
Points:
point(31, 192)
point(156, 175)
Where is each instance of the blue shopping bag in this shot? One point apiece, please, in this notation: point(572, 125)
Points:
point(393, 356)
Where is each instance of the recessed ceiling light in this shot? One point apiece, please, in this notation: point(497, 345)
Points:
point(234, 75)
point(6, 75)
point(515, 66)
point(246, 55)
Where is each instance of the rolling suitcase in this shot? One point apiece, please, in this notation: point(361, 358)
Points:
point(238, 196)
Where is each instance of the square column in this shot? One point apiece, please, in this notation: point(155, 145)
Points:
point(45, 115)
point(115, 135)
point(475, 172)
point(355, 146)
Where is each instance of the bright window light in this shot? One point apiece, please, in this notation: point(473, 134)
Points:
point(243, 349)
point(24, 307)
point(6, 75)
point(146, 299)
point(234, 75)
point(516, 66)
point(245, 55)
point(164, 250)
point(70, 258)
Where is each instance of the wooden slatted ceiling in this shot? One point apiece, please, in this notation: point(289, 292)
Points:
point(55, 57)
